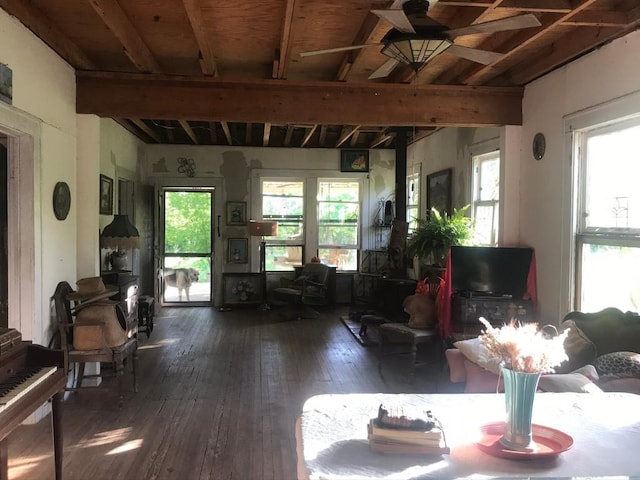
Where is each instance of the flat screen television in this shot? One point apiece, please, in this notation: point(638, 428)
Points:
point(490, 271)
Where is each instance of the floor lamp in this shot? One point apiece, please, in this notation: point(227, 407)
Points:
point(263, 229)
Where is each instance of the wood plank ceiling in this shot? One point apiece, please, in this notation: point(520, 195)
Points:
point(212, 72)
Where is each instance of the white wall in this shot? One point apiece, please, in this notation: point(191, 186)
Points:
point(537, 201)
point(235, 172)
point(606, 74)
point(43, 88)
point(236, 165)
point(449, 148)
point(67, 147)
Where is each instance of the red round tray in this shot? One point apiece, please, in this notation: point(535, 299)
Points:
point(548, 442)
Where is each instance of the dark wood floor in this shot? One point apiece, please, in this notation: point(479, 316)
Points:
point(219, 394)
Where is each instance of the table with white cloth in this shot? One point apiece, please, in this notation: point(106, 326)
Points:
point(331, 435)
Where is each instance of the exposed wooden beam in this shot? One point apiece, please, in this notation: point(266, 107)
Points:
point(288, 135)
point(227, 132)
point(556, 54)
point(333, 103)
point(170, 132)
point(599, 18)
point(346, 134)
point(266, 134)
point(247, 133)
point(134, 47)
point(354, 139)
point(555, 6)
point(285, 39)
point(41, 25)
point(423, 133)
point(307, 136)
point(364, 36)
point(379, 139)
point(522, 41)
point(323, 135)
point(146, 129)
point(128, 124)
point(212, 132)
point(207, 60)
point(187, 128)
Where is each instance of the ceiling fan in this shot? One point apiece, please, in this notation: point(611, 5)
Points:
point(416, 38)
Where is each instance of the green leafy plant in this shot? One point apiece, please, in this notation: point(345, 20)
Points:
point(431, 239)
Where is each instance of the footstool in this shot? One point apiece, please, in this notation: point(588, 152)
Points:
point(366, 320)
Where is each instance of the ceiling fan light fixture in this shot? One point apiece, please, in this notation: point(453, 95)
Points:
point(414, 51)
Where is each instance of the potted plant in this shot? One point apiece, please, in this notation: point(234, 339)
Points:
point(431, 240)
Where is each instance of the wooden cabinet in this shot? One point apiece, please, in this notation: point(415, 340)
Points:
point(127, 293)
point(497, 310)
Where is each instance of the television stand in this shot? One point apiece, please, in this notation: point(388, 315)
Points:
point(498, 310)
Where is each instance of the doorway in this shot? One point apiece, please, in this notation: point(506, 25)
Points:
point(186, 243)
point(4, 224)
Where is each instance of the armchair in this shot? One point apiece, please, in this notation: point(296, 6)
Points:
point(95, 331)
point(307, 290)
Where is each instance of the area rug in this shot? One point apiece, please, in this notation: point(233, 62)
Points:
point(367, 340)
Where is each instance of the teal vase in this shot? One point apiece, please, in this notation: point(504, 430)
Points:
point(519, 393)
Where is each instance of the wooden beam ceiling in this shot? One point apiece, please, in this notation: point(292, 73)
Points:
point(205, 98)
point(120, 25)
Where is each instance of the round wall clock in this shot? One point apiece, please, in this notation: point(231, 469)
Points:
point(539, 146)
point(61, 200)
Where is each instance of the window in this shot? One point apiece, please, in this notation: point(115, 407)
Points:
point(283, 201)
point(608, 226)
point(339, 223)
point(413, 199)
point(485, 207)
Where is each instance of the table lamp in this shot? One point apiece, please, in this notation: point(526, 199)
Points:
point(119, 234)
point(266, 228)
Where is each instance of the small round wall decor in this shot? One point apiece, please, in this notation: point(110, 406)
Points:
point(61, 200)
point(539, 146)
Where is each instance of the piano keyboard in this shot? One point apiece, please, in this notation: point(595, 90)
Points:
point(18, 385)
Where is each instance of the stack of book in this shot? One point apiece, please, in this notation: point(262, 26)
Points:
point(402, 434)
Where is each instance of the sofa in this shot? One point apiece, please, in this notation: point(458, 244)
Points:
point(603, 349)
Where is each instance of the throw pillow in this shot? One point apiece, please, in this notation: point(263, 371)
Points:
point(619, 365)
point(567, 382)
point(421, 310)
point(478, 354)
point(580, 350)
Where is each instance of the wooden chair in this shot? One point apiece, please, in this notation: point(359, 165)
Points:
point(99, 331)
point(403, 333)
point(307, 290)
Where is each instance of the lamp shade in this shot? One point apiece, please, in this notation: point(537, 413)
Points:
point(413, 50)
point(263, 228)
point(120, 233)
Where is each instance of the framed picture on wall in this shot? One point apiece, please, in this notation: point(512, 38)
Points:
point(242, 288)
point(354, 160)
point(106, 195)
point(237, 250)
point(236, 213)
point(439, 191)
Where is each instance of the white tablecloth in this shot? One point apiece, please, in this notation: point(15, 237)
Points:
point(332, 437)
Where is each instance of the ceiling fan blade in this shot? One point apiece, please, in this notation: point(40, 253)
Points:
point(474, 54)
point(397, 18)
point(386, 68)
point(339, 49)
point(512, 23)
